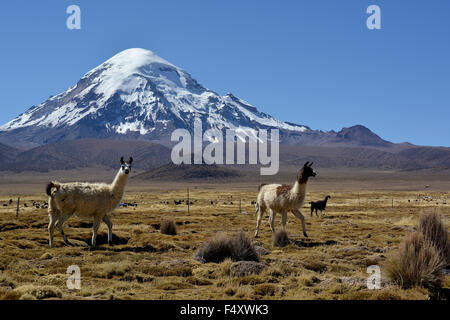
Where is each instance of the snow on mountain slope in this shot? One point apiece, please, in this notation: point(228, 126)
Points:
point(136, 94)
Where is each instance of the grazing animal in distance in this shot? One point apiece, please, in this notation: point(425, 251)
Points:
point(281, 199)
point(319, 205)
point(93, 201)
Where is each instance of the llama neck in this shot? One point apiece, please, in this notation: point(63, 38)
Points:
point(118, 185)
point(299, 187)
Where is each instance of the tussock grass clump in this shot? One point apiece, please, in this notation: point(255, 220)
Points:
point(422, 255)
point(216, 250)
point(280, 239)
point(168, 227)
point(279, 270)
point(198, 282)
point(110, 269)
point(416, 263)
point(221, 247)
point(244, 249)
point(173, 285)
point(265, 289)
point(32, 292)
point(433, 230)
point(6, 281)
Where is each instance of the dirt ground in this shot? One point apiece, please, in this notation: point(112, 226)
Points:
point(360, 228)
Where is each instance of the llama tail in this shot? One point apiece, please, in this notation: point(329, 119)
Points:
point(51, 185)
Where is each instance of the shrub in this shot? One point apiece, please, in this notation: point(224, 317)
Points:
point(221, 247)
point(433, 230)
point(243, 249)
point(168, 227)
point(280, 239)
point(416, 263)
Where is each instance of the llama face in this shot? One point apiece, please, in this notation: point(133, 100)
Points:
point(308, 171)
point(305, 173)
point(126, 166)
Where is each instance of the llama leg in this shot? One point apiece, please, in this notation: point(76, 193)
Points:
point(107, 220)
point(95, 230)
point(51, 228)
point(259, 213)
point(312, 211)
point(283, 220)
point(272, 220)
point(59, 225)
point(299, 215)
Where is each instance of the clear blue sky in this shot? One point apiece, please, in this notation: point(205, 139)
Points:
point(309, 62)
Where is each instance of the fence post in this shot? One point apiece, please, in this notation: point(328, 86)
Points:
point(17, 210)
point(188, 202)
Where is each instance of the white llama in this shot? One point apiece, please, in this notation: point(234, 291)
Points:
point(93, 201)
point(282, 199)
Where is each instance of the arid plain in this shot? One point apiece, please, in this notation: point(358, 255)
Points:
point(368, 214)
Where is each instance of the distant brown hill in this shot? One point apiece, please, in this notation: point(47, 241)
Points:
point(434, 156)
point(360, 136)
point(66, 155)
point(357, 157)
point(7, 153)
point(73, 154)
point(173, 172)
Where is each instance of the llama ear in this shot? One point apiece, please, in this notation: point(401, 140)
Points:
point(131, 160)
point(310, 164)
point(306, 164)
point(121, 160)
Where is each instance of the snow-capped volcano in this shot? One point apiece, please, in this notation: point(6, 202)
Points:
point(135, 94)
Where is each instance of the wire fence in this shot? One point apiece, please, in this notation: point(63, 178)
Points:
point(245, 202)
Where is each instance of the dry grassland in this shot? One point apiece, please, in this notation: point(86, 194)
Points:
point(359, 229)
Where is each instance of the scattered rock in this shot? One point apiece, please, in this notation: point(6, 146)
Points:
point(354, 281)
point(261, 250)
point(245, 268)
